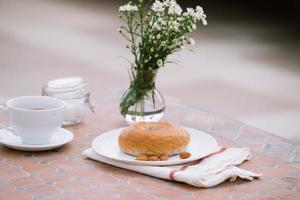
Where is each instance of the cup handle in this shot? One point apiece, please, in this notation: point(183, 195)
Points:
point(5, 127)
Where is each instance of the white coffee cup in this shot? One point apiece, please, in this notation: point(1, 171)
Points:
point(34, 118)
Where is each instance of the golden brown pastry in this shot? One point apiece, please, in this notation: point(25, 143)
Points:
point(153, 138)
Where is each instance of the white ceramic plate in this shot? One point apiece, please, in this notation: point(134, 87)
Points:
point(201, 145)
point(60, 138)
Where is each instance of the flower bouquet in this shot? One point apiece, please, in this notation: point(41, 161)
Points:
point(153, 32)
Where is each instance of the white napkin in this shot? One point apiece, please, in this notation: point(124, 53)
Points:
point(207, 172)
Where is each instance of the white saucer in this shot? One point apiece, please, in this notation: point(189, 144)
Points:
point(60, 138)
point(201, 145)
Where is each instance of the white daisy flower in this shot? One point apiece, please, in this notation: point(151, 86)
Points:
point(204, 22)
point(199, 9)
point(194, 27)
point(128, 8)
point(200, 15)
point(159, 63)
point(191, 12)
point(158, 6)
point(167, 2)
point(175, 9)
point(175, 25)
point(156, 26)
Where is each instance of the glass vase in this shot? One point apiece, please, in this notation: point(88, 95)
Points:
point(142, 101)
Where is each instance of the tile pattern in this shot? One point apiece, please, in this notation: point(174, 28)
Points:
point(65, 174)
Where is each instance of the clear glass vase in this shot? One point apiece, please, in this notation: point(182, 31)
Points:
point(142, 101)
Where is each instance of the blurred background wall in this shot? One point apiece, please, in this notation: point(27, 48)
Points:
point(245, 64)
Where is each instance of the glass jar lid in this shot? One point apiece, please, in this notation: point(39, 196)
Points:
point(66, 84)
point(70, 87)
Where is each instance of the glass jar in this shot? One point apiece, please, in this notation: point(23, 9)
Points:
point(74, 91)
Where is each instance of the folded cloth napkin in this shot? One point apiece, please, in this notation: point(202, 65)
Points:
point(206, 172)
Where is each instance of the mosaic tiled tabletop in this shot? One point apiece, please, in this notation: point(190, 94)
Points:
point(65, 174)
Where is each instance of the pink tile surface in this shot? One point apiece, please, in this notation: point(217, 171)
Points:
point(65, 174)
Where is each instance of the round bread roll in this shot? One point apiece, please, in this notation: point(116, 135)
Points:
point(153, 138)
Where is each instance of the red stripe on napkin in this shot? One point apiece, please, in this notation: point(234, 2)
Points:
point(184, 167)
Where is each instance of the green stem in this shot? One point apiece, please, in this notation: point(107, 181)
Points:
point(140, 86)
